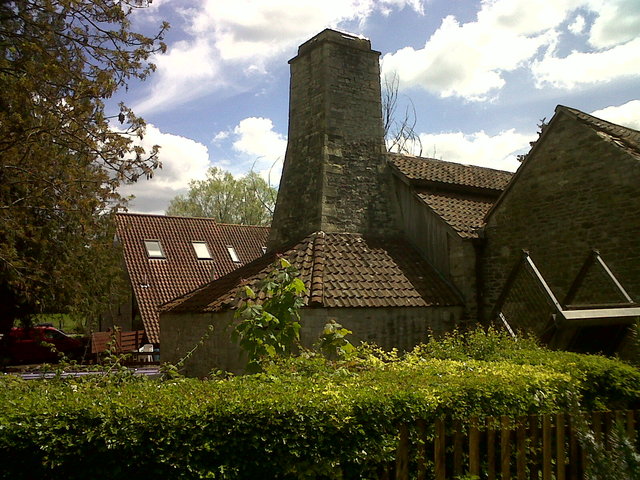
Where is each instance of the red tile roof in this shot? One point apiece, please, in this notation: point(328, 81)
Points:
point(156, 281)
point(461, 195)
point(339, 270)
point(463, 212)
point(420, 170)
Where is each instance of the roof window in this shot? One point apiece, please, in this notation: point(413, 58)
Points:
point(233, 254)
point(154, 249)
point(202, 250)
point(264, 250)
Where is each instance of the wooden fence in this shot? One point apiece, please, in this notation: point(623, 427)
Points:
point(541, 447)
point(120, 342)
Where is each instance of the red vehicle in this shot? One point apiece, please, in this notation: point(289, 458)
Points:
point(26, 344)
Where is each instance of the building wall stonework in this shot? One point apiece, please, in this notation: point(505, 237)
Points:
point(401, 328)
point(451, 255)
point(575, 193)
point(335, 176)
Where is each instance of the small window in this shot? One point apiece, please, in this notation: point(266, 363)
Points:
point(154, 249)
point(233, 254)
point(202, 250)
point(264, 250)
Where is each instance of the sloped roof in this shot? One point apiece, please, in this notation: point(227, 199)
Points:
point(461, 195)
point(156, 281)
point(339, 270)
point(421, 170)
point(463, 212)
point(625, 137)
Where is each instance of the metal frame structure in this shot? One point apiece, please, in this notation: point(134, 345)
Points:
point(566, 314)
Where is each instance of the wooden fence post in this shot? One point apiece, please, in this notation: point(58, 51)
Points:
point(560, 447)
point(546, 447)
point(491, 448)
point(402, 457)
point(474, 447)
point(521, 448)
point(457, 449)
point(505, 448)
point(440, 450)
point(422, 450)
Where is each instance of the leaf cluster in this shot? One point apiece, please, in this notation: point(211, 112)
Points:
point(61, 155)
point(269, 318)
point(247, 200)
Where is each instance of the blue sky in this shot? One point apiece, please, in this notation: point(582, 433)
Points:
point(481, 75)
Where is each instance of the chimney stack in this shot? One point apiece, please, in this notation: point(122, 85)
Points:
point(334, 170)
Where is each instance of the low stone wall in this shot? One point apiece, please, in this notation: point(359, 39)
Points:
point(402, 328)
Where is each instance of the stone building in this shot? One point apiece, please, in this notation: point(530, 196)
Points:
point(383, 243)
point(577, 192)
point(396, 247)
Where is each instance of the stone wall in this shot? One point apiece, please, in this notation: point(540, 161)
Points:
point(388, 327)
point(451, 255)
point(576, 192)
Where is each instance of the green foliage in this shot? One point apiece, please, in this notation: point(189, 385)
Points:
point(333, 342)
point(269, 321)
point(247, 200)
point(302, 417)
point(61, 157)
point(619, 459)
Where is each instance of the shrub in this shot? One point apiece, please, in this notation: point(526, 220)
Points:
point(302, 417)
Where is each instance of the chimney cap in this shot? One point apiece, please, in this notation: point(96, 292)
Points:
point(334, 36)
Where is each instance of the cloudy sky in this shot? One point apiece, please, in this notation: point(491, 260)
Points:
point(481, 75)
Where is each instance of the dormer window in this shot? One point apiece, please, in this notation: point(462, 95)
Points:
point(233, 254)
point(264, 250)
point(154, 249)
point(202, 250)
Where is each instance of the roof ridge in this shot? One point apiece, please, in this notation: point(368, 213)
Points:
point(188, 217)
point(589, 118)
point(238, 224)
point(415, 157)
point(318, 261)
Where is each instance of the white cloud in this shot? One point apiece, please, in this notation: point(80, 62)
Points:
point(618, 22)
point(229, 42)
point(185, 72)
point(493, 151)
point(182, 160)
point(627, 114)
point(577, 26)
point(469, 60)
point(258, 146)
point(580, 68)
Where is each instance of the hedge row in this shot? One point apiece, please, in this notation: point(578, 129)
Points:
point(304, 418)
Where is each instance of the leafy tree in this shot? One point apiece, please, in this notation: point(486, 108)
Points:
point(248, 200)
point(269, 323)
point(61, 157)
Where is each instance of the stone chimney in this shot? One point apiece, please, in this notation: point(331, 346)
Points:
point(334, 177)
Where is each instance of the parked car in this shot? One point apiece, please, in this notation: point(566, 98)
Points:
point(28, 344)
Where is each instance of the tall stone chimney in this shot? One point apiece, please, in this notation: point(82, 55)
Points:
point(334, 169)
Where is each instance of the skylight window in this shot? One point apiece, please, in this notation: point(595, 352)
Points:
point(233, 254)
point(202, 250)
point(154, 249)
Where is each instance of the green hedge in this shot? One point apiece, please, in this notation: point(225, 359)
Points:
point(303, 418)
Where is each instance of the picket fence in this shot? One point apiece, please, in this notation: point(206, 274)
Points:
point(540, 447)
